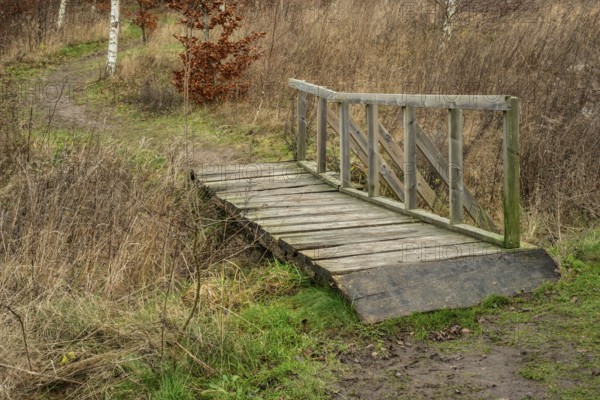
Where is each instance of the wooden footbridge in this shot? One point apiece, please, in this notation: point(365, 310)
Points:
point(389, 255)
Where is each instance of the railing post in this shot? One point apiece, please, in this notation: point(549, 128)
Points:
point(410, 158)
point(321, 134)
point(372, 150)
point(511, 161)
point(345, 145)
point(455, 149)
point(301, 139)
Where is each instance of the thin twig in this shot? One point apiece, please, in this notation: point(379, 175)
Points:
point(18, 317)
point(199, 361)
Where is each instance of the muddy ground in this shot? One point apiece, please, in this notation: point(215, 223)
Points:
point(406, 369)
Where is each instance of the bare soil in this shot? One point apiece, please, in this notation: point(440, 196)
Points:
point(404, 370)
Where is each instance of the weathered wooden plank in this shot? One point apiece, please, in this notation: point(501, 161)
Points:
point(267, 183)
point(259, 196)
point(429, 217)
point(438, 161)
point(345, 234)
point(410, 159)
point(301, 126)
point(349, 233)
point(210, 169)
point(247, 191)
point(303, 210)
point(306, 204)
point(412, 253)
point(345, 237)
point(456, 186)
point(335, 216)
point(387, 292)
point(284, 206)
point(512, 163)
point(444, 101)
point(285, 227)
point(321, 135)
point(373, 162)
point(345, 145)
point(303, 86)
point(421, 239)
point(464, 102)
point(253, 173)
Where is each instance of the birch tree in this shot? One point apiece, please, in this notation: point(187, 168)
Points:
point(450, 12)
point(61, 13)
point(113, 38)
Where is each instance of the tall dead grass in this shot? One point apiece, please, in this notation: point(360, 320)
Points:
point(32, 34)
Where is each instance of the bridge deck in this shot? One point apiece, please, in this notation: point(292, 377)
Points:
point(387, 264)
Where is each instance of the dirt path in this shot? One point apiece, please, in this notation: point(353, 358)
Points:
point(401, 370)
point(63, 95)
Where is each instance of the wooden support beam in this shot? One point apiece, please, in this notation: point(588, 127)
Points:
point(410, 158)
point(440, 101)
point(512, 159)
point(396, 153)
point(301, 138)
point(321, 134)
point(455, 149)
point(345, 145)
point(463, 102)
point(439, 162)
point(358, 144)
point(315, 90)
point(373, 150)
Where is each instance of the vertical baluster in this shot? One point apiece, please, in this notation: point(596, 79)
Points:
point(455, 149)
point(512, 159)
point(321, 135)
point(410, 158)
point(344, 145)
point(372, 149)
point(301, 139)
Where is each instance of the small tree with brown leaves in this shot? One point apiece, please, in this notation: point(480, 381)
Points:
point(143, 16)
point(213, 69)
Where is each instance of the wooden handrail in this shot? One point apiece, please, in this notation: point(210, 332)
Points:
point(368, 150)
point(443, 101)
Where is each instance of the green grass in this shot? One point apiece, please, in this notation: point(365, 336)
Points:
point(281, 346)
point(78, 50)
point(26, 70)
point(160, 129)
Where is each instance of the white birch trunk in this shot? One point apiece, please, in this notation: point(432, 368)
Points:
point(61, 13)
point(113, 38)
point(450, 12)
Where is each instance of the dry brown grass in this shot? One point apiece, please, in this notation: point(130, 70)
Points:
point(100, 254)
point(152, 91)
point(25, 40)
point(547, 55)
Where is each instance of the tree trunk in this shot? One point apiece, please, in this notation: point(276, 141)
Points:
point(113, 38)
point(450, 12)
point(61, 13)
